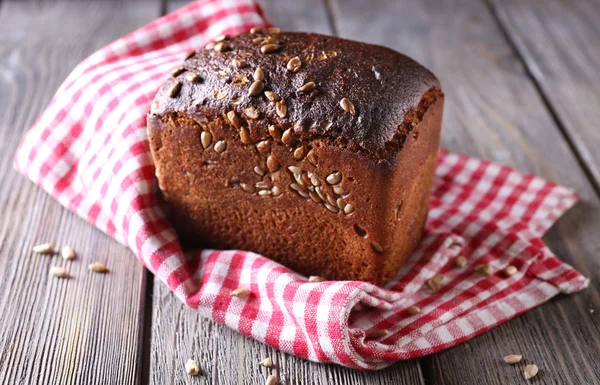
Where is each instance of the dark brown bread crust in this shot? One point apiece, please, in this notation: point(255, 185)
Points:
point(343, 200)
point(382, 84)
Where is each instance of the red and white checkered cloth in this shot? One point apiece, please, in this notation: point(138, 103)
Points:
point(89, 151)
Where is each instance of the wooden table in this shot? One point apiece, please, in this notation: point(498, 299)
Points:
point(523, 88)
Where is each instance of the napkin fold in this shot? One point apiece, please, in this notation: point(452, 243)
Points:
point(89, 150)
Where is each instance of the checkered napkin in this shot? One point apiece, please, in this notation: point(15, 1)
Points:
point(89, 151)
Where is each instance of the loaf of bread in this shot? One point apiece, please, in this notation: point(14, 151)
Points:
point(315, 151)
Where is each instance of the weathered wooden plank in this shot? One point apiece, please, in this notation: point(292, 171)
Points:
point(228, 357)
point(560, 44)
point(494, 111)
point(86, 329)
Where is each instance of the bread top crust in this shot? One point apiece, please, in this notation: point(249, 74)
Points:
point(382, 85)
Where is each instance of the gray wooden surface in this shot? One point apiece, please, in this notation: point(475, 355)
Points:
point(522, 88)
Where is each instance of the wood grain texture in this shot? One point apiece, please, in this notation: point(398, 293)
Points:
point(560, 44)
point(493, 111)
point(227, 357)
point(85, 329)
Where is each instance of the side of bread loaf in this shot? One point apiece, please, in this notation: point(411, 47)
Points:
point(315, 151)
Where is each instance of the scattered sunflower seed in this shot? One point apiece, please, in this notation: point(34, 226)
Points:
point(174, 90)
point(67, 253)
point(263, 146)
point(256, 88)
point(377, 247)
point(294, 64)
point(220, 146)
point(460, 261)
point(206, 139)
point(484, 268)
point(530, 371)
point(316, 278)
point(264, 192)
point(299, 153)
point(281, 108)
point(221, 47)
point(332, 201)
point(347, 106)
point(349, 209)
point(334, 178)
point(414, 310)
point(220, 94)
point(221, 38)
point(378, 333)
point(513, 359)
point(252, 112)
point(303, 194)
point(240, 80)
point(192, 368)
point(267, 362)
point(272, 164)
point(308, 87)
point(259, 170)
point(321, 194)
point(245, 136)
point(189, 55)
point(257, 30)
point(248, 188)
point(339, 190)
point(98, 267)
point(272, 96)
point(177, 71)
point(59, 272)
point(237, 63)
point(234, 119)
point(288, 137)
point(295, 170)
point(276, 191)
point(314, 180)
point(241, 293)
point(236, 99)
point(44, 248)
point(315, 197)
point(271, 380)
point(259, 74)
point(269, 48)
point(397, 213)
point(270, 40)
point(192, 77)
point(273, 30)
point(332, 208)
point(210, 46)
point(258, 40)
point(312, 158)
point(297, 187)
point(262, 185)
point(510, 270)
point(433, 284)
point(305, 180)
point(340, 203)
point(275, 132)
